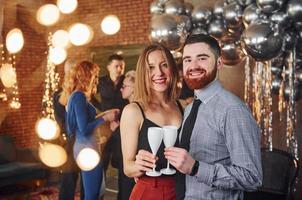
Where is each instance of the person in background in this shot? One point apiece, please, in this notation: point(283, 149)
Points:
point(70, 170)
point(81, 119)
point(109, 85)
point(125, 184)
point(155, 105)
point(219, 154)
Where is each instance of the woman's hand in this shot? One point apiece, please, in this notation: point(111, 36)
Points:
point(114, 125)
point(145, 161)
point(110, 115)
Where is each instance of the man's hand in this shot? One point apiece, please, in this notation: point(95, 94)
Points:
point(180, 159)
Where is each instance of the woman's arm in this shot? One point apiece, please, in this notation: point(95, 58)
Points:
point(135, 165)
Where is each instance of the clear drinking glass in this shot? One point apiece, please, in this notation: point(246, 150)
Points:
point(155, 137)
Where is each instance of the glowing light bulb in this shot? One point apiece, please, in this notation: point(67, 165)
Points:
point(110, 25)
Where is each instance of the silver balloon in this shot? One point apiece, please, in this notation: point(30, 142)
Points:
point(262, 41)
point(279, 62)
point(270, 6)
point(297, 93)
point(217, 28)
point(229, 1)
point(282, 19)
point(201, 16)
point(199, 30)
point(251, 14)
point(164, 30)
point(231, 51)
point(162, 2)
point(298, 74)
point(289, 39)
point(276, 71)
point(188, 8)
point(233, 15)
point(276, 83)
point(294, 10)
point(186, 22)
point(298, 26)
point(218, 8)
point(174, 7)
point(156, 8)
point(245, 3)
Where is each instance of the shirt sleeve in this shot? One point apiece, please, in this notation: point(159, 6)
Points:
point(82, 116)
point(242, 136)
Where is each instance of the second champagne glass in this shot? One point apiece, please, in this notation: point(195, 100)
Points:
point(155, 137)
point(170, 136)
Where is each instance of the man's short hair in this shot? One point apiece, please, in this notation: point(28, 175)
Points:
point(212, 42)
point(115, 57)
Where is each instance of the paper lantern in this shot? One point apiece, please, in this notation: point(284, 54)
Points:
point(8, 75)
point(14, 40)
point(67, 6)
point(48, 14)
point(80, 34)
point(87, 159)
point(47, 129)
point(52, 155)
point(110, 25)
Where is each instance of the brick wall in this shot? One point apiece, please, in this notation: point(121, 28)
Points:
point(134, 16)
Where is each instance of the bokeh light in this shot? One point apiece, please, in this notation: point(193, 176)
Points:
point(47, 129)
point(87, 159)
point(48, 14)
point(110, 25)
point(14, 40)
point(60, 39)
point(57, 55)
point(67, 6)
point(52, 155)
point(8, 75)
point(80, 34)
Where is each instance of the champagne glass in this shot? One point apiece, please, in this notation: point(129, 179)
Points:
point(155, 137)
point(170, 136)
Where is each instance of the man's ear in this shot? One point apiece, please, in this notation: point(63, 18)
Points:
point(219, 63)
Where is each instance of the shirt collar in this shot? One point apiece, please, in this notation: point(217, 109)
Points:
point(205, 94)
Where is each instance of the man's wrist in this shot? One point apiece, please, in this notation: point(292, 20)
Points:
point(194, 169)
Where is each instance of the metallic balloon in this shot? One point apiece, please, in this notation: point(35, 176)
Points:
point(231, 51)
point(164, 30)
point(276, 83)
point(270, 6)
point(156, 8)
point(188, 8)
point(233, 15)
point(279, 61)
point(262, 41)
point(217, 28)
point(298, 26)
point(174, 7)
point(199, 30)
point(297, 92)
point(294, 10)
point(289, 39)
point(251, 14)
point(218, 8)
point(162, 2)
point(276, 71)
point(282, 19)
point(245, 3)
point(186, 22)
point(201, 16)
point(298, 74)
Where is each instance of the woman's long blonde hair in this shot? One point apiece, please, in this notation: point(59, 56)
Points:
point(142, 92)
point(80, 78)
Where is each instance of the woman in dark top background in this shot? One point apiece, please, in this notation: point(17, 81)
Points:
point(155, 95)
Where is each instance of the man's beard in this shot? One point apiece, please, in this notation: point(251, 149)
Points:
point(195, 84)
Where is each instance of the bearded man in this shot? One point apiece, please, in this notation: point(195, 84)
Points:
point(219, 145)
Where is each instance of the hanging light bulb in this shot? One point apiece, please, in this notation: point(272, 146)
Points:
point(60, 39)
point(87, 159)
point(14, 40)
point(57, 55)
point(52, 155)
point(47, 129)
point(80, 34)
point(67, 6)
point(8, 75)
point(110, 25)
point(48, 14)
